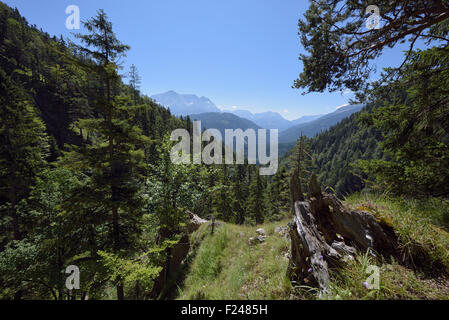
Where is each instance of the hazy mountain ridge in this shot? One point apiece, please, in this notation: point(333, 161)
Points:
point(272, 120)
point(202, 108)
point(185, 104)
point(305, 119)
point(267, 120)
point(191, 104)
point(222, 121)
point(310, 129)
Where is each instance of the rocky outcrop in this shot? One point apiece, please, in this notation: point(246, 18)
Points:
point(325, 234)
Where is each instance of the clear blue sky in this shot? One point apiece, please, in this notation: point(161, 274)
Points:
point(240, 53)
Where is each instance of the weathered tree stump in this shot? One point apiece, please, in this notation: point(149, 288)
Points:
point(325, 235)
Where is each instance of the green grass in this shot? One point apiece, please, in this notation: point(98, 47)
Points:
point(396, 282)
point(225, 266)
point(421, 226)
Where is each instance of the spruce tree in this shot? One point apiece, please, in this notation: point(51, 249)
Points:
point(240, 193)
point(278, 194)
point(223, 202)
point(115, 157)
point(301, 163)
point(134, 82)
point(413, 118)
point(256, 205)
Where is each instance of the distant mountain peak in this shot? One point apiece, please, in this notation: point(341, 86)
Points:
point(191, 104)
point(185, 104)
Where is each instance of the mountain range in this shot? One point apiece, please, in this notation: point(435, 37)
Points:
point(189, 104)
point(267, 120)
point(202, 108)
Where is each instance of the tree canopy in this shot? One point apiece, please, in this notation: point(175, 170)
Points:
point(340, 47)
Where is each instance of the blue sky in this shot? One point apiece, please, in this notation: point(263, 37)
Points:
point(238, 53)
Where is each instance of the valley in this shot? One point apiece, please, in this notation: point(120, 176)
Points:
point(337, 191)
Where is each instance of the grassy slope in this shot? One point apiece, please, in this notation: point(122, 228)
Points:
point(225, 266)
point(423, 230)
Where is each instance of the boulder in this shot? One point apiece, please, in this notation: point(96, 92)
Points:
point(256, 240)
point(261, 232)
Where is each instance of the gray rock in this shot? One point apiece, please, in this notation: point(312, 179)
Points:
point(256, 240)
point(261, 232)
point(283, 231)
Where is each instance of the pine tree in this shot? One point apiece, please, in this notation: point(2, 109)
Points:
point(223, 201)
point(340, 48)
point(278, 194)
point(115, 157)
point(256, 205)
point(240, 193)
point(301, 163)
point(134, 82)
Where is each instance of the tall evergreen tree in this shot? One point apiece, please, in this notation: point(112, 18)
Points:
point(279, 194)
point(301, 162)
point(240, 193)
point(256, 203)
point(115, 157)
point(134, 82)
point(223, 201)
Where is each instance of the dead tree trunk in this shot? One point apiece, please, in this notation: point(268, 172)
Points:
point(325, 235)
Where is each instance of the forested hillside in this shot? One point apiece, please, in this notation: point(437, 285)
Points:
point(85, 170)
point(88, 179)
point(55, 79)
point(337, 150)
point(223, 121)
point(312, 128)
